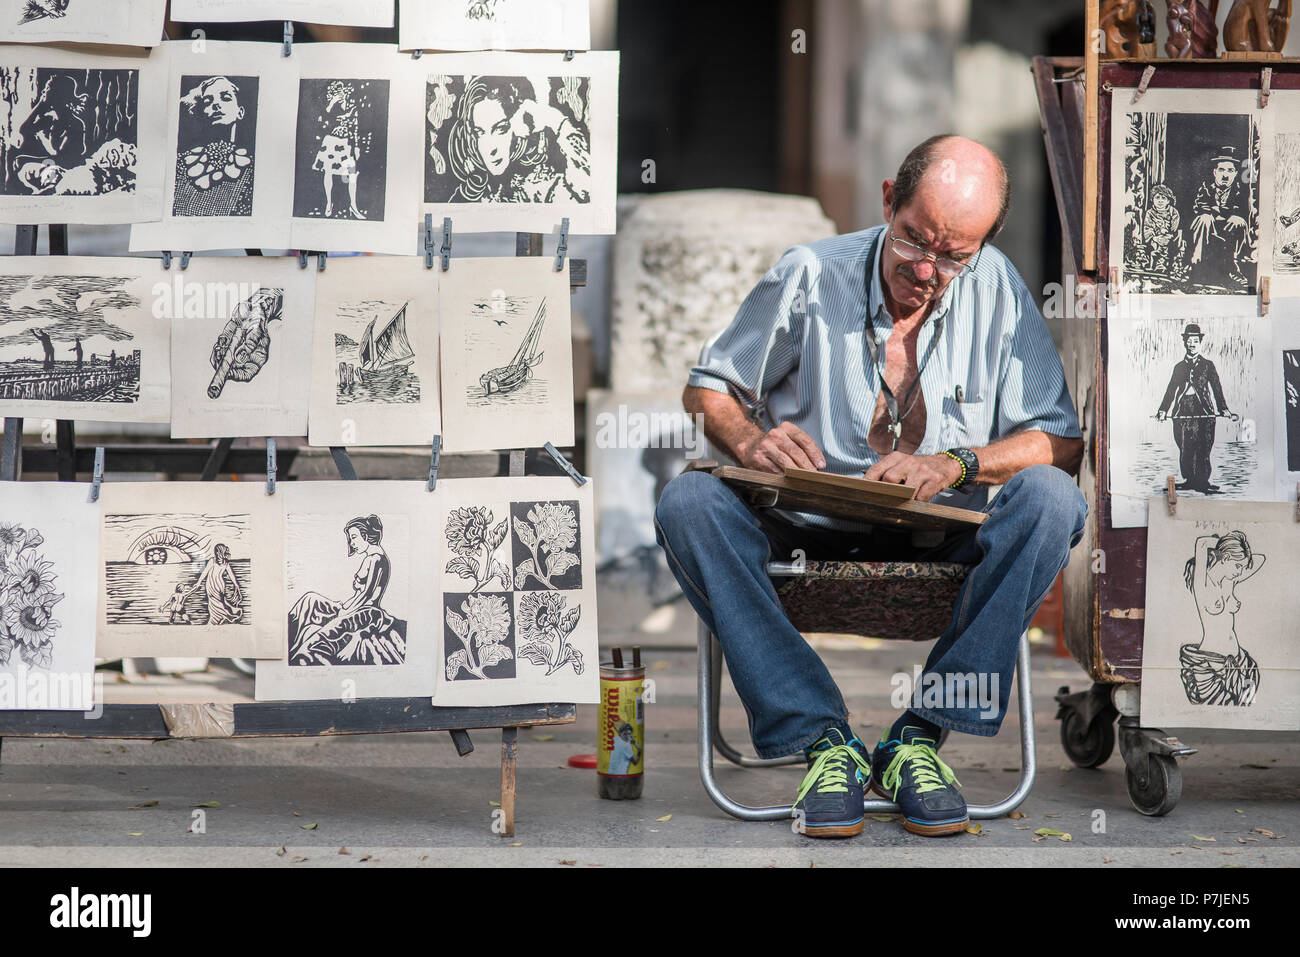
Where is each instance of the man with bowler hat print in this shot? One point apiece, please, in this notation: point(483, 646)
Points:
point(1193, 401)
point(1220, 214)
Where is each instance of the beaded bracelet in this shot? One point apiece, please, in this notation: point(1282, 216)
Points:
point(961, 481)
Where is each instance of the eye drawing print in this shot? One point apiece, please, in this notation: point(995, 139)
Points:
point(342, 151)
point(507, 139)
point(68, 132)
point(244, 345)
point(355, 630)
point(215, 146)
point(57, 343)
point(1217, 669)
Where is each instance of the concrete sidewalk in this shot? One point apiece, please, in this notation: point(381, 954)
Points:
point(409, 800)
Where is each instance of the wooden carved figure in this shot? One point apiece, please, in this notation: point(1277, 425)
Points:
point(1256, 26)
point(1192, 29)
point(1120, 26)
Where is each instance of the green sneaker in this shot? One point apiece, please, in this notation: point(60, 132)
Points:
point(829, 803)
point(916, 779)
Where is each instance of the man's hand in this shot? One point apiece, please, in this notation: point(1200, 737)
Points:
point(931, 474)
point(774, 451)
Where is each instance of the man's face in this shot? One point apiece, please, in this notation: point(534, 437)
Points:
point(924, 222)
point(1192, 344)
point(1224, 173)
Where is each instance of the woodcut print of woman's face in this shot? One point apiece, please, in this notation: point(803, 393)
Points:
point(492, 136)
point(220, 103)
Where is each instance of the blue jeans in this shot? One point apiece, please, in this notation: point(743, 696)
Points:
point(718, 548)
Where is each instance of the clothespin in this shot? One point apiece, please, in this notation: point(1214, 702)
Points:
point(185, 260)
point(288, 38)
point(1143, 83)
point(428, 240)
point(565, 464)
point(416, 54)
point(1171, 495)
point(97, 476)
point(433, 462)
point(563, 248)
point(1265, 86)
point(1265, 294)
point(1112, 288)
point(166, 259)
point(569, 55)
point(271, 467)
point(446, 243)
point(320, 261)
point(302, 259)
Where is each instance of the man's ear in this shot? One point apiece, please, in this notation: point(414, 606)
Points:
point(887, 195)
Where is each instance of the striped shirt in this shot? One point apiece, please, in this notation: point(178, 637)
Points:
point(795, 353)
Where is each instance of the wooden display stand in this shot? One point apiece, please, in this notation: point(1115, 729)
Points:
point(271, 718)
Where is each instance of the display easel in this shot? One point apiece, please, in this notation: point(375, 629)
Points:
point(269, 718)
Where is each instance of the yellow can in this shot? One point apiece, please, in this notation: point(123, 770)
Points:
point(620, 751)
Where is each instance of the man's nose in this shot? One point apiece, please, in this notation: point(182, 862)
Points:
point(923, 270)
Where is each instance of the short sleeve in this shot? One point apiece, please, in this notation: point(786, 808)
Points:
point(1032, 394)
point(762, 345)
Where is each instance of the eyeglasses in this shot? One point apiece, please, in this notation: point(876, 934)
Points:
point(947, 268)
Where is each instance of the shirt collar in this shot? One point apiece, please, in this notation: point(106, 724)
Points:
point(876, 294)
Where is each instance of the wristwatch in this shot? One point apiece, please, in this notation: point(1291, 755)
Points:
point(970, 467)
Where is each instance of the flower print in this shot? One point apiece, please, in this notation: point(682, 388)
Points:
point(467, 529)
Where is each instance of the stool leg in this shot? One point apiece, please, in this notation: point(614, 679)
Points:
point(1028, 759)
point(509, 752)
point(715, 701)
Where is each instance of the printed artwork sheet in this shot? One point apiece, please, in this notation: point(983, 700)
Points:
point(518, 617)
point(361, 618)
point(126, 22)
point(357, 13)
point(1193, 398)
point(1191, 200)
point(1221, 647)
point(228, 183)
point(507, 354)
point(241, 346)
point(1285, 319)
point(519, 141)
point(375, 354)
point(49, 544)
point(357, 154)
point(190, 570)
point(79, 339)
point(81, 137)
point(1284, 262)
point(495, 25)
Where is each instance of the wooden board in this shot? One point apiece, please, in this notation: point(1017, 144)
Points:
point(848, 484)
point(766, 490)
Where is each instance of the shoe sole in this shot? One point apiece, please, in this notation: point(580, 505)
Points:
point(835, 830)
point(926, 830)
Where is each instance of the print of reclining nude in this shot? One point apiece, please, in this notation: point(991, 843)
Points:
point(1217, 670)
point(356, 630)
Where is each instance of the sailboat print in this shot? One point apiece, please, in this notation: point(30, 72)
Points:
point(510, 377)
point(382, 369)
point(389, 352)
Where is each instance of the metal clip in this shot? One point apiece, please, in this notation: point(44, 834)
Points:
point(1297, 501)
point(302, 259)
point(271, 466)
point(1171, 495)
point(1143, 83)
point(185, 260)
point(563, 248)
point(166, 259)
point(1265, 294)
point(1265, 86)
point(565, 464)
point(320, 261)
point(433, 463)
point(288, 38)
point(569, 55)
point(416, 54)
point(97, 476)
point(428, 240)
point(446, 243)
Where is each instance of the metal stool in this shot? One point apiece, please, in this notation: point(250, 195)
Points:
point(894, 600)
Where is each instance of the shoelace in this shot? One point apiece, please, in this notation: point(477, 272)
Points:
point(830, 772)
point(929, 773)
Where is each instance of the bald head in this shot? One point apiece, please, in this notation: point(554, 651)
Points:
point(960, 176)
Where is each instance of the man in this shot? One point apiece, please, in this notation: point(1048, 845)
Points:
point(47, 346)
point(914, 353)
point(76, 347)
point(1193, 400)
point(1219, 215)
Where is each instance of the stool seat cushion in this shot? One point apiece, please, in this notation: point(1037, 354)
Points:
point(900, 601)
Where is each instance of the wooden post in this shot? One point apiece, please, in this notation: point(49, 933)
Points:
point(1091, 71)
point(509, 754)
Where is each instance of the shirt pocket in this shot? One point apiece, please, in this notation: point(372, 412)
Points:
point(965, 424)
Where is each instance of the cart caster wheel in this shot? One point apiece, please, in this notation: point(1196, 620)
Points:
point(1088, 745)
point(1163, 787)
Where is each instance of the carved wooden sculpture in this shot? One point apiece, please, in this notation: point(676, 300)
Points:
point(1192, 29)
point(1120, 27)
point(1256, 26)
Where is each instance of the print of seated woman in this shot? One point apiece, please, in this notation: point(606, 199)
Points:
point(220, 589)
point(1218, 670)
point(214, 161)
point(356, 630)
point(506, 146)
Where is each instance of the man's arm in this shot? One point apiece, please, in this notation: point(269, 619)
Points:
point(728, 427)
